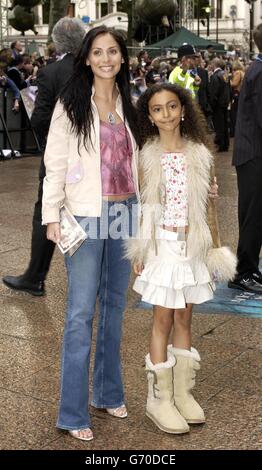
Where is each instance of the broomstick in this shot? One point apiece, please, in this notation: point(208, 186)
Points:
point(212, 215)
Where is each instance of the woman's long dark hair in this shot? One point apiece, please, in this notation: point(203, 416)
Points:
point(194, 125)
point(76, 96)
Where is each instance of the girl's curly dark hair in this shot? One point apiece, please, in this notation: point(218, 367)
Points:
point(194, 125)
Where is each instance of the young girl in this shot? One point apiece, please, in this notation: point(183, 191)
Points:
point(172, 253)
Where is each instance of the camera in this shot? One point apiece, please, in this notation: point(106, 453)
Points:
point(3, 80)
point(193, 73)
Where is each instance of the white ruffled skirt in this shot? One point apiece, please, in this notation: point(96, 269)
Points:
point(170, 279)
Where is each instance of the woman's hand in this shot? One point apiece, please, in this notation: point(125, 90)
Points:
point(53, 232)
point(138, 268)
point(213, 190)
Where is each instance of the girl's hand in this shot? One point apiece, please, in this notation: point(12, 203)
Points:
point(138, 268)
point(53, 232)
point(213, 190)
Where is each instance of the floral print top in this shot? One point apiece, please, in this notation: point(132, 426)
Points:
point(174, 196)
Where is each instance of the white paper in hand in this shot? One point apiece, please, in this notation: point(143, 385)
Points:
point(72, 234)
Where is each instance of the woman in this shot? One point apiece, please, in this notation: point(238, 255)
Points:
point(91, 165)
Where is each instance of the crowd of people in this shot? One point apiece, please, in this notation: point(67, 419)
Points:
point(213, 79)
point(140, 147)
point(219, 76)
point(18, 69)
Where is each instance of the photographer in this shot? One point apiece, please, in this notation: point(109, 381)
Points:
point(6, 82)
point(14, 72)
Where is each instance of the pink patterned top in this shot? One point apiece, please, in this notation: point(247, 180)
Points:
point(116, 159)
point(174, 195)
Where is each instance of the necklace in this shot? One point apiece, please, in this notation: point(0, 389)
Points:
point(111, 118)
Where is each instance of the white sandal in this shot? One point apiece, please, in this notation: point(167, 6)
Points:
point(116, 412)
point(76, 434)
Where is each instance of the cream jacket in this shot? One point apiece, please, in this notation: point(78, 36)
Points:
point(199, 239)
point(71, 178)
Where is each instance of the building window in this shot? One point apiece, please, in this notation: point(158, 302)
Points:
point(199, 8)
point(104, 8)
point(119, 6)
point(201, 5)
point(45, 11)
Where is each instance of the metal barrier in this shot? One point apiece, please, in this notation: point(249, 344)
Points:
point(16, 132)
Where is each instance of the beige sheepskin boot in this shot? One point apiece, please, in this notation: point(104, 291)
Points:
point(184, 371)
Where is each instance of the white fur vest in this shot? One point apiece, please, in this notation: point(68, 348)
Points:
point(199, 240)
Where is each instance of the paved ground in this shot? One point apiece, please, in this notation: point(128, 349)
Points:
point(228, 386)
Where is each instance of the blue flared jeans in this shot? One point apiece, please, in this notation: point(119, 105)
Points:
point(96, 269)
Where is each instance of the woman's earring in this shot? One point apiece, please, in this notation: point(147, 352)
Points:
point(152, 122)
point(182, 118)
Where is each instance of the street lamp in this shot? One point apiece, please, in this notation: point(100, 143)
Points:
point(208, 11)
point(251, 26)
point(129, 9)
point(216, 20)
point(198, 18)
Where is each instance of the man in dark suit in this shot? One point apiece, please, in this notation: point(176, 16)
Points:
point(203, 91)
point(68, 34)
point(219, 89)
point(247, 158)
